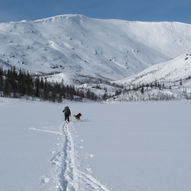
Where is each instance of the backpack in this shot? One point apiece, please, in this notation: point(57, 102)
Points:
point(66, 110)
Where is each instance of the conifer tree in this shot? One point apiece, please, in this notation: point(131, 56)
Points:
point(1, 79)
point(37, 87)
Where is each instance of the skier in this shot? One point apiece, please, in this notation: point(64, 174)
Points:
point(67, 113)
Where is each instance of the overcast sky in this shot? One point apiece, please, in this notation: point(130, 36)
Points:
point(144, 10)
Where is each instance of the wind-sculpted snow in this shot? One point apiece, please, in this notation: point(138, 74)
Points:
point(78, 46)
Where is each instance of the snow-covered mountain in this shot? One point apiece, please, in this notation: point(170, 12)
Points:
point(175, 70)
point(79, 47)
point(163, 81)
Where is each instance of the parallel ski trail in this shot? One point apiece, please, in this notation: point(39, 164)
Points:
point(92, 181)
point(71, 178)
point(68, 177)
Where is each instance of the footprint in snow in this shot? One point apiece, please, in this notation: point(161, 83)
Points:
point(91, 156)
point(45, 180)
point(89, 170)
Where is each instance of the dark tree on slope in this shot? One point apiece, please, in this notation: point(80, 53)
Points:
point(180, 82)
point(46, 91)
point(37, 87)
point(1, 79)
point(18, 84)
point(142, 89)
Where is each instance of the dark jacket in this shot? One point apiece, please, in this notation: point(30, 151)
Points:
point(67, 111)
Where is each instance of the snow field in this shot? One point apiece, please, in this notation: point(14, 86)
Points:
point(69, 177)
point(115, 146)
point(38, 152)
point(137, 146)
point(25, 154)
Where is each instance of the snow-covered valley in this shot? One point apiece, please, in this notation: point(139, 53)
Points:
point(119, 146)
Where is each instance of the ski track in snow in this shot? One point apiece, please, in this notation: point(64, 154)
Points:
point(45, 131)
point(69, 177)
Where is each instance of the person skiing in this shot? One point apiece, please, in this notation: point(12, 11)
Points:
point(67, 113)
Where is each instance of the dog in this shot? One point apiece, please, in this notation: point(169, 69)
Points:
point(78, 116)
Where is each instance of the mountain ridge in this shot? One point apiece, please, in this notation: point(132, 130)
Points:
point(175, 70)
point(76, 45)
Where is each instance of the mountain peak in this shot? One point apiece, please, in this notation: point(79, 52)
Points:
point(80, 46)
point(73, 17)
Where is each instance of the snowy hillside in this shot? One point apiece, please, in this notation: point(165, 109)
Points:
point(167, 80)
point(143, 147)
point(76, 47)
point(174, 70)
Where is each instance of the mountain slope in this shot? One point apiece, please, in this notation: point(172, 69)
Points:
point(78, 46)
point(165, 81)
point(171, 71)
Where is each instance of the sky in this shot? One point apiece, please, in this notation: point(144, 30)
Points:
point(143, 10)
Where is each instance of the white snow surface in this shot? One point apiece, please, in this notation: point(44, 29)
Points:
point(76, 45)
point(171, 71)
point(115, 146)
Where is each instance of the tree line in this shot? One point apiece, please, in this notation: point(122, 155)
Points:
point(17, 84)
point(144, 87)
point(137, 92)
